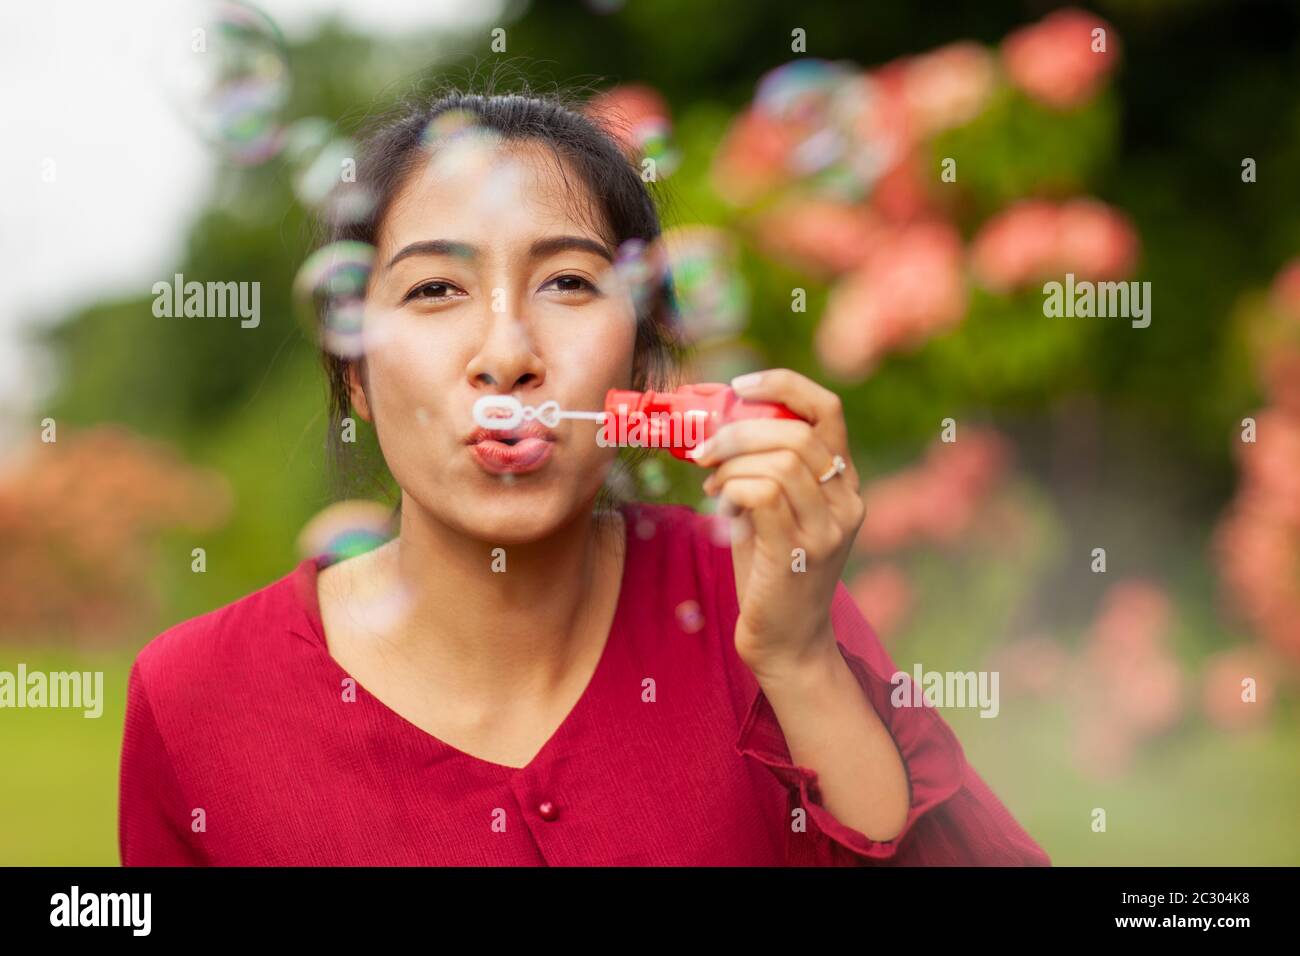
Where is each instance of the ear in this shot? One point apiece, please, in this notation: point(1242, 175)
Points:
point(357, 390)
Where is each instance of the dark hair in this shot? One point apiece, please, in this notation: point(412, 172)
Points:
point(394, 146)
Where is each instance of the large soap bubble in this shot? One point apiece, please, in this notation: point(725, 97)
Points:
point(227, 73)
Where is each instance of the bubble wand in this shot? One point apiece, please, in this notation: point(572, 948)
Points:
point(675, 421)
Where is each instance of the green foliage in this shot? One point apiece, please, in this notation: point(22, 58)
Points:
point(1017, 148)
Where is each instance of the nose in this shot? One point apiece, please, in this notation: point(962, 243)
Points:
point(507, 358)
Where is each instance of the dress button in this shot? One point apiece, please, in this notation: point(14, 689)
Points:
point(548, 810)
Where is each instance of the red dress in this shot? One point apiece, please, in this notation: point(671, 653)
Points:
point(241, 749)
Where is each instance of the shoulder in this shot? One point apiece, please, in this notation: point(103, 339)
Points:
point(205, 650)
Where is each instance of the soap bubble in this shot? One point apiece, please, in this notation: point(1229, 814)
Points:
point(653, 478)
point(653, 139)
point(712, 297)
point(800, 91)
point(458, 148)
point(639, 271)
point(722, 361)
point(227, 73)
point(324, 171)
point(376, 603)
point(717, 525)
point(448, 126)
point(843, 137)
point(618, 480)
point(803, 94)
point(456, 142)
point(689, 617)
point(346, 529)
point(706, 286)
point(329, 294)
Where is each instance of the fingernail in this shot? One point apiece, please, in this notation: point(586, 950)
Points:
point(748, 380)
point(700, 450)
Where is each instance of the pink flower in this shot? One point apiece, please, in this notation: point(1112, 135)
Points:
point(79, 519)
point(625, 109)
point(1270, 465)
point(1127, 666)
point(894, 511)
point(1095, 241)
point(1132, 622)
point(1126, 684)
point(1016, 246)
point(819, 236)
point(910, 288)
point(884, 595)
point(1033, 239)
point(885, 126)
point(1032, 665)
point(1286, 290)
point(1259, 564)
point(753, 157)
point(1053, 60)
point(936, 500)
point(1225, 693)
point(948, 86)
point(902, 193)
point(1281, 372)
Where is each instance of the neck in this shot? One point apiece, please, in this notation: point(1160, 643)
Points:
point(501, 631)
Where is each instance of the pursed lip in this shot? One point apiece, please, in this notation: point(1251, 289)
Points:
point(529, 452)
point(527, 430)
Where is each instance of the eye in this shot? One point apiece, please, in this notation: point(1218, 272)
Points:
point(570, 284)
point(432, 291)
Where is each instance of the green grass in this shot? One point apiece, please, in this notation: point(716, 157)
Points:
point(1197, 797)
point(58, 802)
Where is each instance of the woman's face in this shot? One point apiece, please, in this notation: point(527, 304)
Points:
point(489, 279)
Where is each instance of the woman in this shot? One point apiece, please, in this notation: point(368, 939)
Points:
point(519, 677)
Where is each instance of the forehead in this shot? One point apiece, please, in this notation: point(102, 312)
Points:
point(491, 192)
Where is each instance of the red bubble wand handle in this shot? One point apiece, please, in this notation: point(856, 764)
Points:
point(681, 419)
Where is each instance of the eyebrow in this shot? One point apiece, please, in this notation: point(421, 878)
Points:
point(464, 250)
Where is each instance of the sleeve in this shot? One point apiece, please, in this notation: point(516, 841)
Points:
point(954, 818)
point(152, 814)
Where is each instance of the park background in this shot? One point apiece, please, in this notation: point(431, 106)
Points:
point(1169, 157)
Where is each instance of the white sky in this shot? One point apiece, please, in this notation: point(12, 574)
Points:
point(80, 85)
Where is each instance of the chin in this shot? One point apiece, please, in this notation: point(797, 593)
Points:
point(514, 516)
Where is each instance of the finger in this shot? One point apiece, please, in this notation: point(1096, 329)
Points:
point(818, 529)
point(764, 434)
point(816, 403)
point(766, 506)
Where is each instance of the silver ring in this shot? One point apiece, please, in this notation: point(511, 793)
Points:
point(837, 468)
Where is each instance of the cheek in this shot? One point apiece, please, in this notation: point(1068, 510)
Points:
point(595, 356)
point(409, 369)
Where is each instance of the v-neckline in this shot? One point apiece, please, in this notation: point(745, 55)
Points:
point(308, 598)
